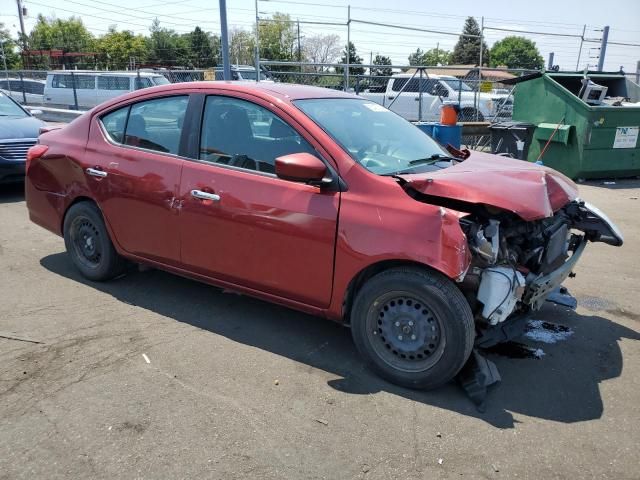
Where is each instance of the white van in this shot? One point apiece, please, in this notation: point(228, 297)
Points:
point(93, 87)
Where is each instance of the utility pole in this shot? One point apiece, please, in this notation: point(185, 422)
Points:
point(299, 50)
point(603, 47)
point(476, 99)
point(584, 29)
point(6, 70)
point(438, 50)
point(21, 17)
point(348, 56)
point(226, 68)
point(550, 64)
point(257, 49)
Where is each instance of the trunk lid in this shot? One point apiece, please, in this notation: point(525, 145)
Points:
point(524, 188)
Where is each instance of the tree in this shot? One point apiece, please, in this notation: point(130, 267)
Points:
point(382, 72)
point(434, 56)
point(70, 36)
point(516, 52)
point(350, 56)
point(166, 47)
point(278, 38)
point(242, 47)
point(467, 50)
point(417, 57)
point(321, 49)
point(9, 49)
point(117, 50)
point(204, 48)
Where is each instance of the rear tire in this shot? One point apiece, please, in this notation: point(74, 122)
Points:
point(88, 244)
point(413, 327)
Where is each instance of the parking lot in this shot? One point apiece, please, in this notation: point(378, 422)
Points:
point(154, 376)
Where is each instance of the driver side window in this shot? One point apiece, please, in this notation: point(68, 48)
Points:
point(242, 134)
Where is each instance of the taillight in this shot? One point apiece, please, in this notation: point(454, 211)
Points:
point(34, 153)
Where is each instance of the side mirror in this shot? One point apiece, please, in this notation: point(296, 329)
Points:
point(301, 167)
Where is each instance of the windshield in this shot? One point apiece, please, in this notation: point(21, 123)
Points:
point(378, 139)
point(160, 80)
point(9, 108)
point(456, 84)
point(251, 75)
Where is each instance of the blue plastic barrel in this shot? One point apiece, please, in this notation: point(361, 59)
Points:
point(448, 135)
point(426, 127)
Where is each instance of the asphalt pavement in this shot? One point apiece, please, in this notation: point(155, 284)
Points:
point(153, 376)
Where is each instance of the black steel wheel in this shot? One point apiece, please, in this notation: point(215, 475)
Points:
point(413, 327)
point(88, 243)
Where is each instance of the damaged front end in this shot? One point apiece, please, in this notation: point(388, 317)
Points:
point(517, 264)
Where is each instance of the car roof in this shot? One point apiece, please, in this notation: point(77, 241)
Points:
point(270, 91)
point(106, 72)
point(283, 91)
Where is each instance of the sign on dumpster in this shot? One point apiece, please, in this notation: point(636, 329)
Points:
point(626, 137)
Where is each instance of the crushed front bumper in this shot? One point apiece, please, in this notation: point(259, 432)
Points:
point(538, 290)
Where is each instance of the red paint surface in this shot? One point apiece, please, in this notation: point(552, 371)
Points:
point(283, 241)
point(531, 191)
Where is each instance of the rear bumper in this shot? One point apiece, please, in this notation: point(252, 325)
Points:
point(11, 172)
point(46, 209)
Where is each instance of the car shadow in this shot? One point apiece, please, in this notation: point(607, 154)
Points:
point(11, 192)
point(562, 386)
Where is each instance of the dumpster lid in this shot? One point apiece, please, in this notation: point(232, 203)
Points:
point(523, 78)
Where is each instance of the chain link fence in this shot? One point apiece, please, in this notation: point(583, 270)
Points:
point(416, 93)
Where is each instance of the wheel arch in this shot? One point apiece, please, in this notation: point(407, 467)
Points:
point(76, 200)
point(86, 198)
point(359, 280)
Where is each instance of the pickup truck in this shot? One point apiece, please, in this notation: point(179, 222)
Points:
point(435, 90)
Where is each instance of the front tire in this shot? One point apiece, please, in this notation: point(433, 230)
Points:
point(413, 327)
point(88, 244)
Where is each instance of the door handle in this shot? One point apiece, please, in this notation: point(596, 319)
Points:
point(96, 173)
point(205, 195)
point(391, 97)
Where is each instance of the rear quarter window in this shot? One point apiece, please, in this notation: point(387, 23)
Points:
point(114, 123)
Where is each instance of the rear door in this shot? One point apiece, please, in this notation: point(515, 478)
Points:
point(135, 173)
point(242, 224)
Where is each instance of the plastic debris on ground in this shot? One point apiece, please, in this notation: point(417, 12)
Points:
point(545, 332)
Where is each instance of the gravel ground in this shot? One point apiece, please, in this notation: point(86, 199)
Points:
point(153, 376)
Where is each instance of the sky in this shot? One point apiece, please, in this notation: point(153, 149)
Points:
point(540, 16)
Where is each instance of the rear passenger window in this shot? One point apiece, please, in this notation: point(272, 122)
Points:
point(157, 124)
point(242, 134)
point(114, 124)
point(113, 82)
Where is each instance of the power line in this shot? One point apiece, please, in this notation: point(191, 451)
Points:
point(533, 33)
point(388, 25)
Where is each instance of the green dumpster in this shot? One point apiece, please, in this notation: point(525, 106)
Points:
point(586, 124)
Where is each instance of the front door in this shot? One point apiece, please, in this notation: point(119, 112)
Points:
point(242, 224)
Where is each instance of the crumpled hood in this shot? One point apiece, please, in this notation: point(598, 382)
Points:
point(524, 188)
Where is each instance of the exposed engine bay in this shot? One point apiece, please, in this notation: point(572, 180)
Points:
point(516, 264)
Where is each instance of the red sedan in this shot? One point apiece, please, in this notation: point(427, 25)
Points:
point(321, 201)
